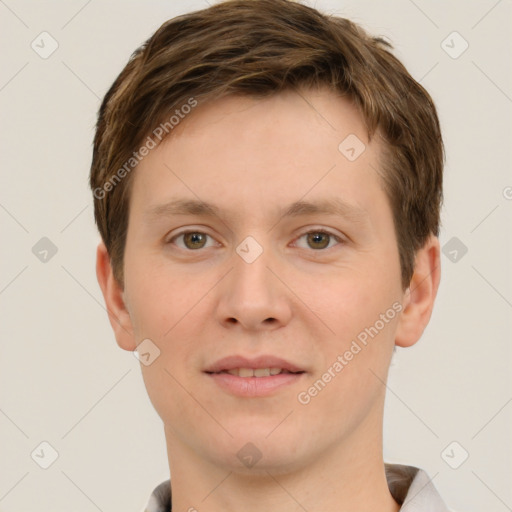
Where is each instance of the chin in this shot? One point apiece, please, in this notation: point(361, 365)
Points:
point(251, 451)
point(254, 462)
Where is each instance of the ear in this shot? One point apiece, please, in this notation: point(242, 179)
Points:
point(418, 299)
point(118, 313)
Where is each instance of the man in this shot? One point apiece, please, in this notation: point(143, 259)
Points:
point(267, 184)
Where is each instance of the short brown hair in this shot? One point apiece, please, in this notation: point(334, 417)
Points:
point(258, 48)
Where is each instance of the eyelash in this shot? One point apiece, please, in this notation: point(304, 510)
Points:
point(314, 231)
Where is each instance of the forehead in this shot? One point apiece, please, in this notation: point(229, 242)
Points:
point(247, 151)
point(318, 108)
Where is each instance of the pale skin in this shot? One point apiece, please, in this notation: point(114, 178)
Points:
point(303, 299)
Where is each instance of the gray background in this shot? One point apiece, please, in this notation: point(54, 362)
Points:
point(64, 380)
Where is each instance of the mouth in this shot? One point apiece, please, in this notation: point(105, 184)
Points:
point(256, 372)
point(256, 377)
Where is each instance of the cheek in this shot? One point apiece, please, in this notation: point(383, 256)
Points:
point(361, 312)
point(350, 383)
point(351, 300)
point(159, 301)
point(167, 390)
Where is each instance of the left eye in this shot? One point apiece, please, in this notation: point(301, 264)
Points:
point(320, 239)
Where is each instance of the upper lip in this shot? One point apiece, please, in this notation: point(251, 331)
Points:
point(263, 361)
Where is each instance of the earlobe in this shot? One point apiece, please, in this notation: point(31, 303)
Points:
point(418, 299)
point(118, 313)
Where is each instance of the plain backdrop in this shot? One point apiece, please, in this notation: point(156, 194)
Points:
point(64, 380)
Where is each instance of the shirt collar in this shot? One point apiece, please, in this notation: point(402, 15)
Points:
point(410, 487)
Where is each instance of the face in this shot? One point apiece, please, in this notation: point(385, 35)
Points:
point(294, 265)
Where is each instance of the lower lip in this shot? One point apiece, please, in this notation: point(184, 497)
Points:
point(254, 386)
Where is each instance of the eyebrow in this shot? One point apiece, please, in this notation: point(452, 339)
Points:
point(329, 206)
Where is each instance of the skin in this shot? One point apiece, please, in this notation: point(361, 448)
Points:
point(299, 300)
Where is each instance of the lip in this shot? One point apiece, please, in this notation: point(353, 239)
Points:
point(263, 361)
point(254, 386)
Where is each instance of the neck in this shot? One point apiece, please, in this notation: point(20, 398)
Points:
point(350, 476)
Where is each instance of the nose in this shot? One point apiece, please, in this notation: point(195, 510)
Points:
point(253, 295)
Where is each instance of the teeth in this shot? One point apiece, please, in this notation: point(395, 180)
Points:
point(258, 372)
point(245, 372)
point(262, 372)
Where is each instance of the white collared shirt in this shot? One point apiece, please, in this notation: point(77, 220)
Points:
point(410, 487)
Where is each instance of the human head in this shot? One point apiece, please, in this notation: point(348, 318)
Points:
point(251, 155)
point(259, 48)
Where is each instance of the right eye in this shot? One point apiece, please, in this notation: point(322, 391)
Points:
point(192, 240)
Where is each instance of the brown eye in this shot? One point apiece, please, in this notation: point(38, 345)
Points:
point(192, 240)
point(318, 240)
